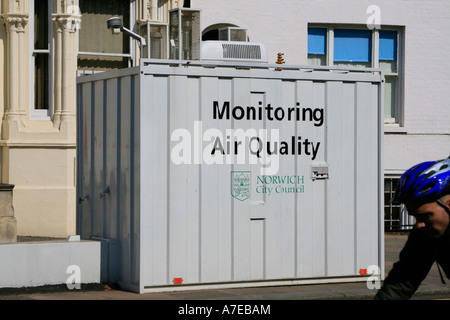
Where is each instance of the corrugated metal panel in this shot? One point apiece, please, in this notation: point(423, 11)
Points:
point(166, 220)
point(108, 170)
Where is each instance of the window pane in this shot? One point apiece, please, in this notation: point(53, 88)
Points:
point(317, 60)
point(41, 59)
point(388, 66)
point(388, 45)
point(41, 81)
point(317, 41)
point(238, 35)
point(352, 45)
point(388, 51)
point(389, 96)
point(160, 13)
point(41, 24)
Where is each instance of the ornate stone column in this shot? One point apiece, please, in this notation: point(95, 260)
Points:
point(65, 65)
point(57, 102)
point(15, 28)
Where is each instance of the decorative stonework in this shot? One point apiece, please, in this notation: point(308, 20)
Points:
point(67, 22)
point(15, 22)
point(15, 6)
point(8, 223)
point(15, 14)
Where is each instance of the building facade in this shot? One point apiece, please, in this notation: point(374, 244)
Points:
point(408, 40)
point(45, 44)
point(42, 45)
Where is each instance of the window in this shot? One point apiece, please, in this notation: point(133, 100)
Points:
point(388, 63)
point(225, 32)
point(395, 216)
point(160, 13)
point(99, 48)
point(317, 46)
point(41, 58)
point(353, 47)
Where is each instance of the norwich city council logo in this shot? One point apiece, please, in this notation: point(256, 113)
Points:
point(240, 184)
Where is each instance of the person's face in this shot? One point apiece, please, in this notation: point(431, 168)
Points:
point(431, 218)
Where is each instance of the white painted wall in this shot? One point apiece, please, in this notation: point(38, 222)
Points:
point(31, 264)
point(282, 27)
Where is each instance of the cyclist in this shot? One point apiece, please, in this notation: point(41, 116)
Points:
point(425, 191)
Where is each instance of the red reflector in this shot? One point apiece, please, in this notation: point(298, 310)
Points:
point(362, 271)
point(177, 280)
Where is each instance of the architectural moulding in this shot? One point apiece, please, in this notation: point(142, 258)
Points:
point(67, 22)
point(15, 6)
point(15, 22)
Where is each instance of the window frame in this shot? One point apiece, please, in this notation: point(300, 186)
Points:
point(375, 63)
point(41, 114)
point(398, 106)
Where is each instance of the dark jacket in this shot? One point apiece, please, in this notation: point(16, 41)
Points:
point(416, 259)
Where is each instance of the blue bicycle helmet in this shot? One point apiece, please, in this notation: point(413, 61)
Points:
point(424, 182)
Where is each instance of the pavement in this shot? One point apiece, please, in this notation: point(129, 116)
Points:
point(430, 289)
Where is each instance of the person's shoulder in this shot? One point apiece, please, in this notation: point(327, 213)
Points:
point(417, 237)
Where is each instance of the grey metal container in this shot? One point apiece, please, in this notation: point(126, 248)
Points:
point(172, 216)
